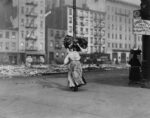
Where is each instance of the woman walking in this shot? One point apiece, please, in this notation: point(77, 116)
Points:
point(75, 77)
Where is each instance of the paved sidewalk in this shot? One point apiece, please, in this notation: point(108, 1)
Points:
point(48, 97)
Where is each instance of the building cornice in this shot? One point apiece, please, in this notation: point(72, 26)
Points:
point(124, 3)
point(86, 9)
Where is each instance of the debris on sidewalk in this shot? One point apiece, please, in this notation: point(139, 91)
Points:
point(36, 70)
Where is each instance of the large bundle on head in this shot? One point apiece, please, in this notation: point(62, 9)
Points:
point(69, 42)
point(82, 42)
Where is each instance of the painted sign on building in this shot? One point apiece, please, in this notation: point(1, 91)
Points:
point(141, 27)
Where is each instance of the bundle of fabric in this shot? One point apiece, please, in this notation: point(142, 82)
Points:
point(69, 42)
point(82, 42)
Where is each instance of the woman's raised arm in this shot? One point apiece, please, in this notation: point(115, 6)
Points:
point(82, 50)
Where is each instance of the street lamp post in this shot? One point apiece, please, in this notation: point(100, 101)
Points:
point(100, 35)
point(74, 19)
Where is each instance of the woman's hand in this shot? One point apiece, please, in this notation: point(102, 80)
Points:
point(78, 45)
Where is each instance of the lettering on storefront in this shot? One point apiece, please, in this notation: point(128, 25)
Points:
point(141, 26)
point(121, 14)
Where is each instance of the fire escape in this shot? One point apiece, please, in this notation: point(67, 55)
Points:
point(99, 32)
point(31, 27)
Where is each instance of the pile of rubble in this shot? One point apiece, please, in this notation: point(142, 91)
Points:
point(114, 66)
point(11, 71)
point(23, 71)
point(105, 66)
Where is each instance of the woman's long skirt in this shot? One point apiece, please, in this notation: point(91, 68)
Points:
point(134, 74)
point(75, 76)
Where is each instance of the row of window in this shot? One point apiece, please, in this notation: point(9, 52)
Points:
point(8, 46)
point(31, 23)
point(56, 44)
point(119, 18)
point(96, 40)
point(32, 45)
point(94, 15)
point(27, 9)
point(23, 35)
point(118, 36)
point(8, 35)
point(99, 23)
point(58, 33)
point(120, 45)
point(97, 49)
point(120, 28)
point(118, 10)
point(81, 30)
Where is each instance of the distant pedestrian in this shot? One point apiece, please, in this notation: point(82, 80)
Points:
point(114, 61)
point(134, 74)
point(117, 62)
point(75, 76)
point(42, 60)
point(29, 61)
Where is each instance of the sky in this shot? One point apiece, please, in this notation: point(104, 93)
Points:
point(137, 2)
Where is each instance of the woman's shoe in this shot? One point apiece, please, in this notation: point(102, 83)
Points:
point(75, 88)
point(71, 88)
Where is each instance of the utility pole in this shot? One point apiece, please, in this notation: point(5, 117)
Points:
point(74, 19)
point(135, 41)
point(145, 15)
point(100, 35)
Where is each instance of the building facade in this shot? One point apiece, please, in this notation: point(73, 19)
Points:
point(90, 24)
point(31, 28)
point(8, 46)
point(8, 32)
point(56, 50)
point(25, 21)
point(119, 30)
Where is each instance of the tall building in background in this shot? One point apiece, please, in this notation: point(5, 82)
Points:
point(8, 46)
point(119, 30)
point(31, 28)
point(8, 32)
point(90, 25)
point(106, 24)
point(22, 30)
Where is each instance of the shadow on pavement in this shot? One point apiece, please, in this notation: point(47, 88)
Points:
point(113, 78)
point(50, 84)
